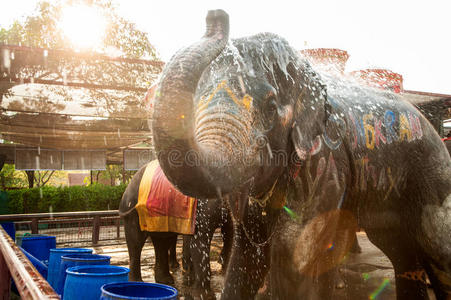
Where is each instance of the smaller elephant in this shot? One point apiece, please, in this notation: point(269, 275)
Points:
point(164, 240)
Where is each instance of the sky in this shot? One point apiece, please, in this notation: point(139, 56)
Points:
point(412, 38)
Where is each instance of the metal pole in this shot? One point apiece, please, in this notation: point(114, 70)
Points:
point(95, 230)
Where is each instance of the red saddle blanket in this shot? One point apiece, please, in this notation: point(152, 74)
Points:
point(161, 207)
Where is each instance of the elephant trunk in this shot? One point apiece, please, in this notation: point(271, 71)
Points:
point(186, 163)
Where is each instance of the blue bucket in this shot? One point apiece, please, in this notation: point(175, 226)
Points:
point(10, 229)
point(55, 261)
point(138, 290)
point(73, 260)
point(84, 282)
point(39, 246)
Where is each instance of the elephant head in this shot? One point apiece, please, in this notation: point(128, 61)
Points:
point(234, 114)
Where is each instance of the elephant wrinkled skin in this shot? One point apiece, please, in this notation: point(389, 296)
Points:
point(250, 121)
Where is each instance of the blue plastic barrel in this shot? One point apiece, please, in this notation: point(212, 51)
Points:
point(39, 265)
point(19, 237)
point(73, 260)
point(85, 282)
point(55, 261)
point(10, 229)
point(138, 290)
point(42, 268)
point(39, 246)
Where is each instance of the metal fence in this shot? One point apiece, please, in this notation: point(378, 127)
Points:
point(70, 227)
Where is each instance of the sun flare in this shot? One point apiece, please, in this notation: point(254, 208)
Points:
point(84, 26)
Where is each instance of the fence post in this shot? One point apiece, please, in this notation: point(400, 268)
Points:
point(34, 226)
point(5, 275)
point(95, 230)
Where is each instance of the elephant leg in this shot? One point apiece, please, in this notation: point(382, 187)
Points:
point(135, 239)
point(161, 245)
point(410, 275)
point(187, 264)
point(247, 268)
point(312, 282)
point(200, 257)
point(173, 263)
point(227, 238)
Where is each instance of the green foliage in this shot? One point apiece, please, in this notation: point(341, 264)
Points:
point(64, 199)
point(15, 201)
point(113, 173)
point(10, 178)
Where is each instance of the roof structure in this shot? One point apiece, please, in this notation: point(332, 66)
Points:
point(66, 100)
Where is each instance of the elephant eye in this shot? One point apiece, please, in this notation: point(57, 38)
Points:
point(270, 109)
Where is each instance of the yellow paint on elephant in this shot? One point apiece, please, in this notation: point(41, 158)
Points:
point(246, 101)
point(369, 131)
point(404, 128)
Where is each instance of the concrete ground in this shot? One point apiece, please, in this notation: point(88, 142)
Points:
point(367, 275)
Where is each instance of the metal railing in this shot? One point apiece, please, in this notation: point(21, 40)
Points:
point(14, 264)
point(70, 227)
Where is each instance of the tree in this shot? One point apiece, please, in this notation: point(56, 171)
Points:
point(10, 178)
point(42, 30)
point(114, 173)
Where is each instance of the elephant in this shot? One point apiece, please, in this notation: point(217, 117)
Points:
point(136, 238)
point(303, 160)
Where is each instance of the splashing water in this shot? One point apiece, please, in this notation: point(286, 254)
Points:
point(379, 290)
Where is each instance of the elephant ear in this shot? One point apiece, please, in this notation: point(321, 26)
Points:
point(310, 109)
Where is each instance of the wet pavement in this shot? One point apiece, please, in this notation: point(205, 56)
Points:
point(366, 275)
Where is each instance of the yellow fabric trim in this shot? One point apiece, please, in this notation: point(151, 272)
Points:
point(144, 189)
point(165, 224)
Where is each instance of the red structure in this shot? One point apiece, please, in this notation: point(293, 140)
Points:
point(380, 78)
point(329, 60)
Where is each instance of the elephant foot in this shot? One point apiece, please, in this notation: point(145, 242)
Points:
point(164, 278)
point(174, 265)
